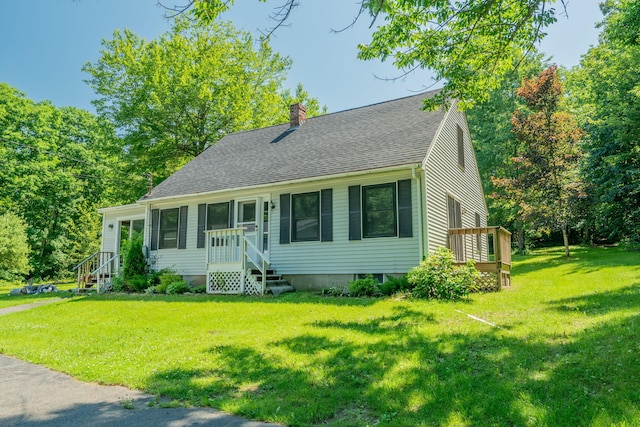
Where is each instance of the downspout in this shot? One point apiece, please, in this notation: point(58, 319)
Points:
point(418, 178)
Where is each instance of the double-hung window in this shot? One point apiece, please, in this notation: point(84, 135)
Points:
point(169, 228)
point(380, 210)
point(306, 217)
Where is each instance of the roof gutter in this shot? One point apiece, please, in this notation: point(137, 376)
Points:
point(411, 166)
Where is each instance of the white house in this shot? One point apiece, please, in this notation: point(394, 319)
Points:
point(322, 200)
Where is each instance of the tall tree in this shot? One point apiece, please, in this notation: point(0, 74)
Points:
point(14, 249)
point(469, 45)
point(605, 91)
point(172, 97)
point(495, 144)
point(53, 175)
point(546, 186)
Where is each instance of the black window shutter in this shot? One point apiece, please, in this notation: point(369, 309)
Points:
point(202, 224)
point(285, 217)
point(231, 205)
point(355, 217)
point(326, 215)
point(405, 220)
point(155, 221)
point(182, 227)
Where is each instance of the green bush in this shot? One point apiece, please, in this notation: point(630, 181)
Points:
point(367, 287)
point(138, 283)
point(134, 264)
point(178, 288)
point(168, 278)
point(437, 277)
point(393, 285)
point(151, 290)
point(119, 285)
point(199, 289)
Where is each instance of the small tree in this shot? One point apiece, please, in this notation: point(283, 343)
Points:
point(14, 249)
point(134, 262)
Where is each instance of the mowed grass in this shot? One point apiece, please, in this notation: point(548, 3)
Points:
point(565, 350)
point(7, 300)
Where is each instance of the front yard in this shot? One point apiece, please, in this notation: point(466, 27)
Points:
point(564, 350)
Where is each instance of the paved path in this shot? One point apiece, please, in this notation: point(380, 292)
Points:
point(28, 306)
point(32, 395)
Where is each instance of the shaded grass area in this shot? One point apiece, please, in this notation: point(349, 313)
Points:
point(564, 351)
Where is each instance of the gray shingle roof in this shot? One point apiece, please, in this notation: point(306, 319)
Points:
point(387, 134)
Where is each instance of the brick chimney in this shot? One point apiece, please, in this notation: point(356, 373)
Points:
point(297, 115)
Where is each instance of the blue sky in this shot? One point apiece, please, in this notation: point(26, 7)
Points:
point(46, 42)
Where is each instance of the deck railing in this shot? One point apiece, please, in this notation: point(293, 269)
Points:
point(477, 243)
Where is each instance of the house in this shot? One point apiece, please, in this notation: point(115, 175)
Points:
point(322, 200)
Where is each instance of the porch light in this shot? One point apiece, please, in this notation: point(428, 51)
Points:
point(110, 226)
point(272, 205)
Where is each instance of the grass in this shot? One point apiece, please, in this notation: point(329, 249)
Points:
point(564, 350)
point(7, 300)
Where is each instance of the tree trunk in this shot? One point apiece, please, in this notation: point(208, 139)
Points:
point(520, 231)
point(565, 238)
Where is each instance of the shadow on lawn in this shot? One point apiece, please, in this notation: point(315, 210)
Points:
point(295, 297)
point(387, 369)
point(582, 259)
point(601, 302)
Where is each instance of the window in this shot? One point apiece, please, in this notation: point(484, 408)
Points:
point(379, 210)
point(305, 217)
point(215, 216)
point(454, 210)
point(460, 147)
point(382, 210)
point(478, 236)
point(169, 228)
point(218, 216)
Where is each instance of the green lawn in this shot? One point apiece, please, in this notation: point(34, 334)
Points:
point(7, 300)
point(564, 350)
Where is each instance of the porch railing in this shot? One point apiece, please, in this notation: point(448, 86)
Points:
point(490, 247)
point(96, 269)
point(230, 258)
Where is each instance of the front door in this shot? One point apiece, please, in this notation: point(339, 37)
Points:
point(253, 215)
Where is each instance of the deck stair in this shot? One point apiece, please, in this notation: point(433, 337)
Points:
point(275, 284)
point(95, 272)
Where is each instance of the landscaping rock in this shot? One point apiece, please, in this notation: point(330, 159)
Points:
point(16, 291)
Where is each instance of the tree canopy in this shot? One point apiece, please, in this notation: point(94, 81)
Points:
point(469, 45)
point(172, 97)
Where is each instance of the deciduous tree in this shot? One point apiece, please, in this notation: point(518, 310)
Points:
point(546, 185)
point(172, 97)
point(468, 45)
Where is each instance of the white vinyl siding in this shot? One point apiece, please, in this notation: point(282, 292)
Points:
point(339, 256)
point(344, 256)
point(113, 217)
point(445, 178)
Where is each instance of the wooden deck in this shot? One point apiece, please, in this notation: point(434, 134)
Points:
point(490, 247)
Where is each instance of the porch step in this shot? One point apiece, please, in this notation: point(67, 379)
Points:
point(275, 283)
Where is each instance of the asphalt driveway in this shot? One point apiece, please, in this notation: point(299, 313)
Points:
point(32, 395)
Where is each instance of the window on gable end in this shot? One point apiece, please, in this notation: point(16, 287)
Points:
point(460, 147)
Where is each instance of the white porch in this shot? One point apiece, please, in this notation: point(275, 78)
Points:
point(234, 264)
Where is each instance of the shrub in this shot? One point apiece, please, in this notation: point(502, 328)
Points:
point(437, 277)
point(393, 285)
point(199, 289)
point(138, 283)
point(119, 285)
point(178, 288)
point(151, 290)
point(134, 263)
point(367, 287)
